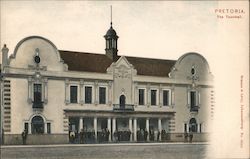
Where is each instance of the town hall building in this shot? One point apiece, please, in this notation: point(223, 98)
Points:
point(108, 97)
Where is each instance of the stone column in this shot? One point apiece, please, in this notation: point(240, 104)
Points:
point(130, 128)
point(110, 93)
point(45, 91)
point(114, 128)
point(67, 91)
point(136, 94)
point(159, 127)
point(81, 92)
point(147, 128)
point(29, 131)
point(109, 128)
point(29, 90)
point(95, 128)
point(160, 96)
point(135, 129)
point(80, 124)
point(96, 95)
point(45, 128)
point(198, 128)
point(148, 95)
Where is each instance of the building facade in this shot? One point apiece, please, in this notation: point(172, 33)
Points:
point(51, 93)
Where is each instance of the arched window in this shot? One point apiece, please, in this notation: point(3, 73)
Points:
point(192, 125)
point(122, 101)
point(37, 125)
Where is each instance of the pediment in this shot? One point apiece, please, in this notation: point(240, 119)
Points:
point(122, 68)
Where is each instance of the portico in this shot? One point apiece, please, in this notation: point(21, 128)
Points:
point(130, 127)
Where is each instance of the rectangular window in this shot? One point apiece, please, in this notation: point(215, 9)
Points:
point(166, 99)
point(48, 128)
point(26, 127)
point(37, 96)
point(88, 95)
point(153, 97)
point(200, 128)
point(185, 127)
point(37, 93)
point(102, 95)
point(73, 94)
point(141, 96)
point(193, 99)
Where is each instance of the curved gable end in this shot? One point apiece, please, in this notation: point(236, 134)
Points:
point(29, 47)
point(191, 65)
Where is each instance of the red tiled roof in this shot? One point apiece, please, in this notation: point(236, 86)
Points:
point(90, 62)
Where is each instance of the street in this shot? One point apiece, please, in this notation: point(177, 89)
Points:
point(104, 151)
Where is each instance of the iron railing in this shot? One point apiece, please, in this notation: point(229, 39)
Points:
point(125, 107)
point(194, 108)
point(37, 104)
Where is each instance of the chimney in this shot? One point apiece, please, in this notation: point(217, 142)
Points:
point(5, 51)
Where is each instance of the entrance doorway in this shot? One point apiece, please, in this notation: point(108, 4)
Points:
point(37, 125)
point(192, 125)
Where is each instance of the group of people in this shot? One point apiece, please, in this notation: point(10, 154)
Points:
point(88, 136)
point(154, 135)
point(188, 137)
point(122, 135)
point(118, 136)
point(103, 136)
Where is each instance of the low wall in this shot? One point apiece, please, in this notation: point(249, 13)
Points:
point(16, 139)
point(197, 137)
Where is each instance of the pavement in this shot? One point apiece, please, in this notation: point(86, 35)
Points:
point(107, 151)
point(106, 144)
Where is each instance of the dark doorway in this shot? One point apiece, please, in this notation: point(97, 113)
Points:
point(37, 125)
point(122, 101)
point(192, 125)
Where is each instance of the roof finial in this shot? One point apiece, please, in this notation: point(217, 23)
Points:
point(111, 15)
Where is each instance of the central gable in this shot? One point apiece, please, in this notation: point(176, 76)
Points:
point(123, 73)
point(122, 68)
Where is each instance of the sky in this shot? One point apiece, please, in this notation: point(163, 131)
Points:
point(150, 29)
point(162, 29)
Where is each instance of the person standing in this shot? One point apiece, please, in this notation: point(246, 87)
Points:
point(185, 137)
point(146, 135)
point(24, 136)
point(81, 136)
point(190, 137)
point(72, 136)
point(158, 135)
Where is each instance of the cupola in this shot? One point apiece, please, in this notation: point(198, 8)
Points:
point(111, 41)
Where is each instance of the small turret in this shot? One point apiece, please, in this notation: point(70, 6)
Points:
point(5, 51)
point(111, 41)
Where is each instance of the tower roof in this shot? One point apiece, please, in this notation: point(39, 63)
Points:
point(111, 33)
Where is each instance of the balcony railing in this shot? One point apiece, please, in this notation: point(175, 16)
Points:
point(126, 107)
point(194, 108)
point(37, 104)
